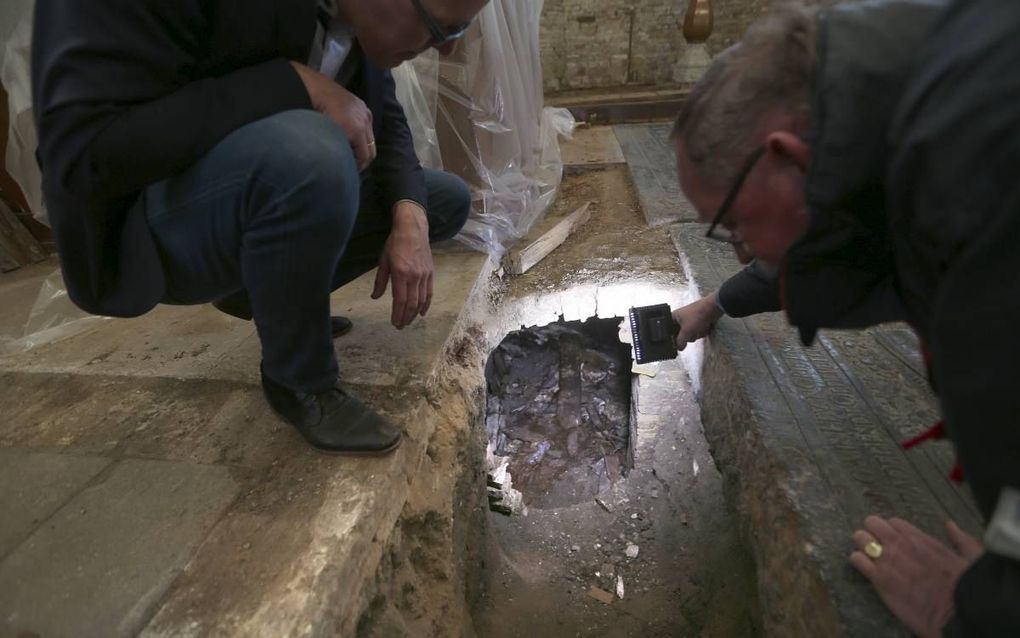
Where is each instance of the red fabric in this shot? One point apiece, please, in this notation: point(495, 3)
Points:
point(956, 474)
point(935, 432)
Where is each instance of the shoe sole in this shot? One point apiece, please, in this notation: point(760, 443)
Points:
point(359, 454)
point(340, 333)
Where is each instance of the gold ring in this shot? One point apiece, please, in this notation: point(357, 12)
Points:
point(873, 550)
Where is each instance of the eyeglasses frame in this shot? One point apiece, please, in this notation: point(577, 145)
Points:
point(731, 197)
point(440, 36)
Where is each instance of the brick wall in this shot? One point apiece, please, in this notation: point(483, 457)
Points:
point(611, 43)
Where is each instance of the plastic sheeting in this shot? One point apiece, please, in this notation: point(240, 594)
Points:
point(417, 84)
point(53, 316)
point(479, 114)
point(15, 42)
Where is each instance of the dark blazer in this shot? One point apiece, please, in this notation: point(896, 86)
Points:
point(131, 92)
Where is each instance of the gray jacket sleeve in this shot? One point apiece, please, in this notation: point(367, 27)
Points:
point(753, 290)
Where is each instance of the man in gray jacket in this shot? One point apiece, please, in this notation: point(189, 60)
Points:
point(866, 157)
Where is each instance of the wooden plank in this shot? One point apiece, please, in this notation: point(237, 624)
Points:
point(521, 261)
point(17, 246)
point(601, 595)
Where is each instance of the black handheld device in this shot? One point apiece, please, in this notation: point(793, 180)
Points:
point(654, 333)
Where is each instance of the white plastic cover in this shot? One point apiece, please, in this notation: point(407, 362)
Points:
point(53, 316)
point(479, 114)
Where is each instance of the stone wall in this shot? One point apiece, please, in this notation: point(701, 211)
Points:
point(607, 43)
point(610, 43)
point(732, 17)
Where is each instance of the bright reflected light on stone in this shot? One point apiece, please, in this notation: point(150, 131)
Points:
point(603, 301)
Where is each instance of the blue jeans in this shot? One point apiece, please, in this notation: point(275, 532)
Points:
point(277, 210)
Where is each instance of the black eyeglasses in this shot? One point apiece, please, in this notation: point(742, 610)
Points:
point(721, 233)
point(440, 35)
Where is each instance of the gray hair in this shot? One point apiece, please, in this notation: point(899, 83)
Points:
point(770, 69)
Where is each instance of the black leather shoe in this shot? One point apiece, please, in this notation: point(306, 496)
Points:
point(333, 421)
point(339, 326)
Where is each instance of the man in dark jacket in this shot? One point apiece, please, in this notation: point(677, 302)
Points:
point(867, 158)
point(251, 154)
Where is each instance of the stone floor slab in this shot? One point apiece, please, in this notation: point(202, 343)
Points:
point(199, 342)
point(652, 163)
point(101, 563)
point(35, 485)
point(189, 420)
point(215, 514)
point(301, 541)
point(592, 146)
point(295, 547)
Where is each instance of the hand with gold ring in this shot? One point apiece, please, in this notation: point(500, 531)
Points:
point(913, 573)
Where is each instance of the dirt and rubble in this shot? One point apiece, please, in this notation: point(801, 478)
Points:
point(656, 554)
point(430, 572)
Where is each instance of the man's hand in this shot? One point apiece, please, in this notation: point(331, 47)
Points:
point(407, 260)
point(696, 320)
point(915, 574)
point(344, 108)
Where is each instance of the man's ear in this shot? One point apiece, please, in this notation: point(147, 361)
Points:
point(790, 146)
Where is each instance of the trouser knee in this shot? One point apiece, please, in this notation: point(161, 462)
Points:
point(308, 175)
point(449, 204)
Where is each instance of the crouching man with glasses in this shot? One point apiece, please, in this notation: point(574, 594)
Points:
point(252, 155)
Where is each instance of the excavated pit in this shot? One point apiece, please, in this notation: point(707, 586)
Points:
point(558, 410)
point(657, 553)
point(608, 516)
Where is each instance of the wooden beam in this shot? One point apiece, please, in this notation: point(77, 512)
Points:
point(522, 260)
